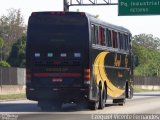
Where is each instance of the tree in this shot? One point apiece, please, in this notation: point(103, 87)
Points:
point(4, 64)
point(1, 46)
point(1, 42)
point(149, 61)
point(11, 29)
point(17, 55)
point(147, 40)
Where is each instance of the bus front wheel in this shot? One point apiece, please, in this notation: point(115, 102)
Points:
point(120, 102)
point(129, 91)
point(93, 105)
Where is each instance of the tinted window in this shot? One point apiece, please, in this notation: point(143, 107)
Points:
point(102, 36)
point(108, 38)
point(58, 31)
point(114, 39)
point(120, 40)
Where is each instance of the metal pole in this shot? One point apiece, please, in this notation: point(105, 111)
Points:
point(66, 6)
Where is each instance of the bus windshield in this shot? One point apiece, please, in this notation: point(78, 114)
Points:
point(58, 31)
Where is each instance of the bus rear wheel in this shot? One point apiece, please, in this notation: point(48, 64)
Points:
point(48, 105)
point(45, 105)
point(102, 98)
point(46, 108)
point(94, 105)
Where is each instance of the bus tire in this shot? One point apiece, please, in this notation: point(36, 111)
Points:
point(46, 108)
point(129, 92)
point(102, 98)
point(57, 105)
point(93, 105)
point(45, 105)
point(120, 102)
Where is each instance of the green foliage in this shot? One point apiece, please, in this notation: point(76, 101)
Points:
point(17, 55)
point(1, 46)
point(147, 40)
point(11, 29)
point(1, 42)
point(4, 64)
point(149, 60)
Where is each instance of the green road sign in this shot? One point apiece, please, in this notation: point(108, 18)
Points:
point(138, 7)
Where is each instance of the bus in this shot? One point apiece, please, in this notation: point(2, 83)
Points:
point(75, 57)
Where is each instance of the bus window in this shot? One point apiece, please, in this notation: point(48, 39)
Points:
point(96, 34)
point(120, 40)
point(104, 37)
point(101, 36)
point(114, 39)
point(126, 42)
point(93, 34)
point(130, 44)
point(108, 38)
point(123, 41)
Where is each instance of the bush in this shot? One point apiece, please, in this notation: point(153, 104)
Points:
point(4, 64)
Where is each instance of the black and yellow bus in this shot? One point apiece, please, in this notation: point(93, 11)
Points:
point(75, 57)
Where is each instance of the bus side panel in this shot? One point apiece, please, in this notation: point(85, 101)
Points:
point(112, 69)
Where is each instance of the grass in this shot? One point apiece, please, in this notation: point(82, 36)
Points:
point(13, 96)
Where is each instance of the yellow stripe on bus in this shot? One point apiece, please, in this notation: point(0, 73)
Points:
point(100, 74)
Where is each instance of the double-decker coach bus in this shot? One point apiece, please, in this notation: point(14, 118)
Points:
point(74, 57)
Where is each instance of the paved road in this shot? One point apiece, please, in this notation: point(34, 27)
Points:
point(142, 103)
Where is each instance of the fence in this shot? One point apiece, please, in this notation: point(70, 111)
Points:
point(140, 80)
point(12, 76)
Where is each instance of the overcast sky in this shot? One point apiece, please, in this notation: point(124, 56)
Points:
point(136, 24)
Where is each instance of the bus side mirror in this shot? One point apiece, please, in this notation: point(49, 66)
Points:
point(136, 61)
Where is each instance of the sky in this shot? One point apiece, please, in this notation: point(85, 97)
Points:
point(136, 24)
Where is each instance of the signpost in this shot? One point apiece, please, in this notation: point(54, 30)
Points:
point(138, 7)
point(87, 3)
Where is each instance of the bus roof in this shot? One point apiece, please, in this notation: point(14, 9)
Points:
point(111, 26)
point(90, 17)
